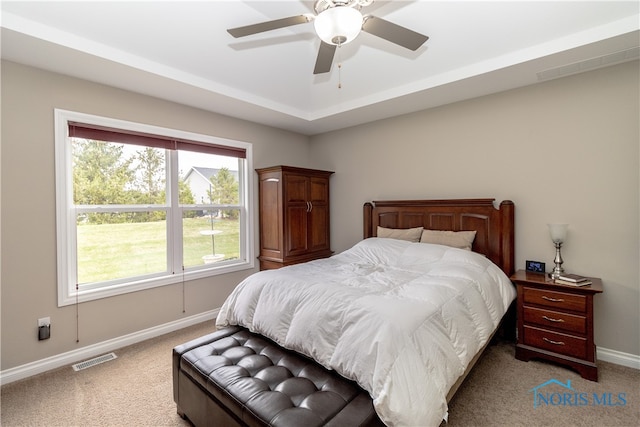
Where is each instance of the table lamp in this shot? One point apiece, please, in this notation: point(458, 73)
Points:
point(558, 234)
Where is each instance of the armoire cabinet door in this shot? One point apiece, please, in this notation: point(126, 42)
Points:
point(319, 214)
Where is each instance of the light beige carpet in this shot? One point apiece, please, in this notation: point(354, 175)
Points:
point(498, 392)
point(136, 390)
point(133, 390)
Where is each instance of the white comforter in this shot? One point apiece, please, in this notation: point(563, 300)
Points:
point(402, 319)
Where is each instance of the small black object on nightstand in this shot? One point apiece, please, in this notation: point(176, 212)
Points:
point(535, 266)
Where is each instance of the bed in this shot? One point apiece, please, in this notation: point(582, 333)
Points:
point(405, 313)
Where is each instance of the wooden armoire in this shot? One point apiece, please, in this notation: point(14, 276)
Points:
point(294, 215)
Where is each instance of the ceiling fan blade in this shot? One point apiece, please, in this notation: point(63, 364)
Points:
point(325, 58)
point(268, 26)
point(394, 33)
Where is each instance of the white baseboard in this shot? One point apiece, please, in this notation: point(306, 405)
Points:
point(618, 357)
point(19, 372)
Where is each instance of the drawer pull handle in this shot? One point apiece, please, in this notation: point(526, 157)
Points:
point(550, 319)
point(552, 299)
point(553, 342)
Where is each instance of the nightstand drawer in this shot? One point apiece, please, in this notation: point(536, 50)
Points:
point(564, 321)
point(556, 300)
point(556, 342)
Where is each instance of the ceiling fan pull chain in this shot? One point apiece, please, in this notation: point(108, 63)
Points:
point(339, 67)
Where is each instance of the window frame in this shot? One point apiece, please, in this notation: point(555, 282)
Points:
point(66, 211)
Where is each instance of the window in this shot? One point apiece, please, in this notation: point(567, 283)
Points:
point(140, 206)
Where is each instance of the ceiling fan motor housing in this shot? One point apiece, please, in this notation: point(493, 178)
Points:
point(322, 5)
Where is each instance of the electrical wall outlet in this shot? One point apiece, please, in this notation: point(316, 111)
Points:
point(44, 332)
point(44, 328)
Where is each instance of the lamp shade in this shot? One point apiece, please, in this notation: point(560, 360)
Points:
point(338, 25)
point(558, 232)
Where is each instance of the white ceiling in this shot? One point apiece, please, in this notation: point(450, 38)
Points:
point(180, 51)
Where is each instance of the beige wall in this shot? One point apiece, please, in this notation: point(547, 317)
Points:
point(29, 291)
point(566, 150)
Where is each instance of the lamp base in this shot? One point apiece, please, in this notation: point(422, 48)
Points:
point(557, 270)
point(556, 273)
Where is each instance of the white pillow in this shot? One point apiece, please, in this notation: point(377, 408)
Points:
point(409, 234)
point(456, 239)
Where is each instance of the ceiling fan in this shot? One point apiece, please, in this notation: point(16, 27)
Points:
point(338, 22)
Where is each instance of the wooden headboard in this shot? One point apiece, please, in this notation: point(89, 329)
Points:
point(494, 227)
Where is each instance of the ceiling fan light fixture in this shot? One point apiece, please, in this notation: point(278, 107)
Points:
point(338, 25)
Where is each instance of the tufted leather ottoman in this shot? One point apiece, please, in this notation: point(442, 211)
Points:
point(235, 378)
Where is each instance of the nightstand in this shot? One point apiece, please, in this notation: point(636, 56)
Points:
point(555, 322)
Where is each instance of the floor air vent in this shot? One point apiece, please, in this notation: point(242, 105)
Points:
point(95, 361)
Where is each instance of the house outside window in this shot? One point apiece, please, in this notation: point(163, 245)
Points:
point(141, 206)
